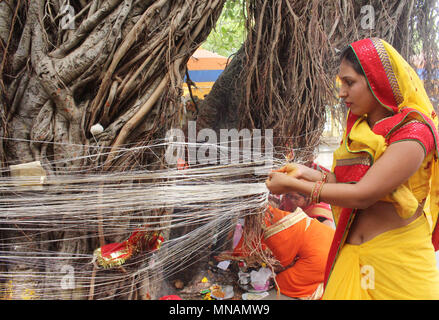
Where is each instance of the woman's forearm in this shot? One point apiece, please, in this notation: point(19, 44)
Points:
point(316, 175)
point(380, 180)
point(346, 195)
point(339, 194)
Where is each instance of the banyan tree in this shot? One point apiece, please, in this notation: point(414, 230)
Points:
point(89, 91)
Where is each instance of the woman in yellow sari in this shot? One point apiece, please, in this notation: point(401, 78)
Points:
point(384, 184)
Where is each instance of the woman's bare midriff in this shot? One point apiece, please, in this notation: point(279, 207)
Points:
point(377, 219)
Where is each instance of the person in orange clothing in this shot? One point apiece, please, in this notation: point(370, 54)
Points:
point(290, 201)
point(301, 244)
point(320, 211)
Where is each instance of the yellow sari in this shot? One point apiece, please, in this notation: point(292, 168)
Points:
point(400, 263)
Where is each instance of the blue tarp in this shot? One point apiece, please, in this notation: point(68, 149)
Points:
point(204, 75)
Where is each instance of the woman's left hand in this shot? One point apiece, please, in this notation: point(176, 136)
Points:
point(300, 171)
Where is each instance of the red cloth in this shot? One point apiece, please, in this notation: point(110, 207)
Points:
point(116, 254)
point(170, 297)
point(414, 131)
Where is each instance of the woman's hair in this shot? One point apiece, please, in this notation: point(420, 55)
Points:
point(348, 54)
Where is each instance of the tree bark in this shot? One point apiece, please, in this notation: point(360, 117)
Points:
point(64, 69)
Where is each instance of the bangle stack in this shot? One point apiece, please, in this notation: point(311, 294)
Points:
point(317, 188)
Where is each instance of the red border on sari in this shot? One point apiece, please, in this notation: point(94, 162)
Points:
point(376, 72)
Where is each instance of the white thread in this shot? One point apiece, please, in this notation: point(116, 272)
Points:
point(206, 198)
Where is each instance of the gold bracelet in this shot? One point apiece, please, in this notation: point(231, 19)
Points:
point(325, 177)
point(319, 192)
point(311, 196)
point(315, 192)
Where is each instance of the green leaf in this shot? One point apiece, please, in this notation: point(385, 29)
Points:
point(229, 31)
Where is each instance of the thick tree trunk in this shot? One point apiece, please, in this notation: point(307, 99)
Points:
point(66, 67)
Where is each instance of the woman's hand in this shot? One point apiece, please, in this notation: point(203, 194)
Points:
point(279, 182)
point(300, 171)
point(290, 169)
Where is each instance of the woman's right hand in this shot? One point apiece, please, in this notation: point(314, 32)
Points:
point(279, 183)
point(300, 171)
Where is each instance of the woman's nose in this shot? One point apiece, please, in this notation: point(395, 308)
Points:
point(342, 92)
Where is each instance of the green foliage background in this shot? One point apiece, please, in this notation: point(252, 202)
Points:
point(229, 33)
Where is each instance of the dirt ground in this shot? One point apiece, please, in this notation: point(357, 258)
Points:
point(208, 275)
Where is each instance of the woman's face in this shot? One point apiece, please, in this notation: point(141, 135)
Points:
point(356, 94)
point(292, 200)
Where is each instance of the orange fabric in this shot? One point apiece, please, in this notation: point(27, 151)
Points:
point(307, 239)
point(312, 247)
point(241, 251)
point(205, 60)
point(207, 64)
point(273, 215)
point(285, 244)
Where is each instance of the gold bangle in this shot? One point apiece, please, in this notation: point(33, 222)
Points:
point(311, 196)
point(315, 192)
point(325, 177)
point(319, 192)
